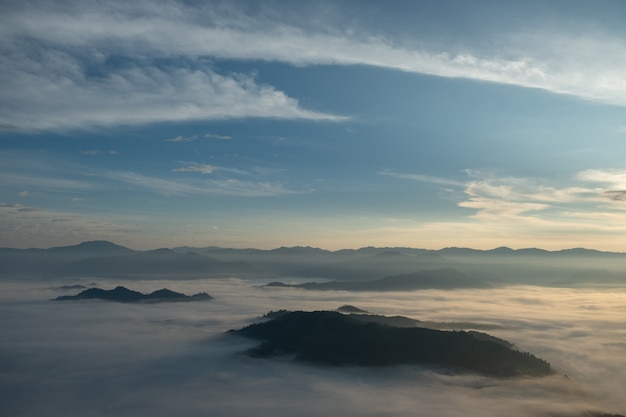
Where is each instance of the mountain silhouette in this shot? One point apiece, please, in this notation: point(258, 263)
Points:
point(497, 267)
point(124, 295)
point(99, 247)
point(332, 338)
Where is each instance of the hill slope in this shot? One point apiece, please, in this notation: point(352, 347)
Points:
point(335, 339)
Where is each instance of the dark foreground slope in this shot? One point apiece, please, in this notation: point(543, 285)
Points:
point(124, 295)
point(335, 339)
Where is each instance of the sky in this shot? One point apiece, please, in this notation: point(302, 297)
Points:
point(336, 124)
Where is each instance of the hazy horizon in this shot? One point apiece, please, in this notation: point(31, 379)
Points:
point(356, 248)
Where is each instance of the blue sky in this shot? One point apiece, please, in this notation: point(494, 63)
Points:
point(331, 124)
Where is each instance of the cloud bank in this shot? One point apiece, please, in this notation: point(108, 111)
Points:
point(100, 358)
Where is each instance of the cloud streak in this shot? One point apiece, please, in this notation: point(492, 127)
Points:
point(422, 178)
point(203, 169)
point(138, 95)
point(224, 187)
point(55, 62)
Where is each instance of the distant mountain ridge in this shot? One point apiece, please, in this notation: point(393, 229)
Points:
point(92, 247)
point(499, 266)
point(105, 245)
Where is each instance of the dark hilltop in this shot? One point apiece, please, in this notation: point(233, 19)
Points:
point(332, 338)
point(124, 295)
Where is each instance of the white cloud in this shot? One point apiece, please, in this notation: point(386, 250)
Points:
point(203, 169)
point(137, 95)
point(616, 179)
point(186, 139)
point(585, 210)
point(48, 54)
point(182, 139)
point(219, 137)
point(588, 65)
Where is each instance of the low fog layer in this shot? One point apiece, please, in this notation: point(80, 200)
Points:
point(100, 358)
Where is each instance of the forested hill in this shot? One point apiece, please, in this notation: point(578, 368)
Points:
point(332, 338)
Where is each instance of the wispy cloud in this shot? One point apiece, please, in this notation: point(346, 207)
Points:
point(182, 139)
point(422, 178)
point(613, 178)
point(48, 56)
point(223, 187)
point(219, 137)
point(192, 138)
point(586, 208)
point(514, 196)
point(137, 95)
point(98, 152)
point(43, 182)
point(203, 169)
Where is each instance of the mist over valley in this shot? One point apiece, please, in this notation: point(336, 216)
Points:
point(97, 357)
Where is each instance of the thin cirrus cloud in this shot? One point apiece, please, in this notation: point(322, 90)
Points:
point(218, 137)
point(94, 152)
point(203, 169)
point(142, 95)
point(223, 187)
point(421, 178)
point(192, 138)
point(47, 56)
point(183, 139)
point(54, 75)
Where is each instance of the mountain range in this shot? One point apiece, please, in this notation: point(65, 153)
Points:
point(500, 266)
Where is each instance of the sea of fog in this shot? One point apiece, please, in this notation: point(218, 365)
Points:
point(98, 358)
